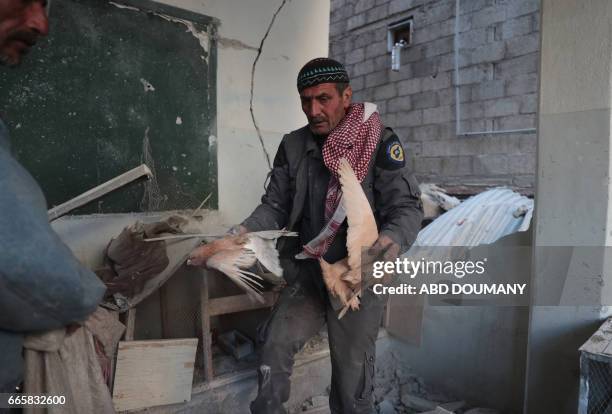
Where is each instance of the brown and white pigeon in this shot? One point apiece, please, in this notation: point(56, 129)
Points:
point(232, 255)
point(344, 277)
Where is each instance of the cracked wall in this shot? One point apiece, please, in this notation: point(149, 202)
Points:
point(299, 32)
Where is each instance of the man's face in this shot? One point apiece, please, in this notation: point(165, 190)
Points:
point(22, 22)
point(324, 106)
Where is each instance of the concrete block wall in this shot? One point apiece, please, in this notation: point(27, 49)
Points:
point(498, 80)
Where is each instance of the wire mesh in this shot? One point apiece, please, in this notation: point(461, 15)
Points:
point(595, 384)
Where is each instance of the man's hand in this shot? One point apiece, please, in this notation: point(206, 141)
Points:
point(386, 247)
point(383, 249)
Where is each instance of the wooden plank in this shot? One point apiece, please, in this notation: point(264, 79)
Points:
point(130, 325)
point(152, 373)
point(206, 334)
point(240, 303)
point(226, 379)
point(99, 191)
point(165, 317)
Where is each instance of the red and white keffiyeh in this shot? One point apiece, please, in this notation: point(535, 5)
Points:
point(355, 138)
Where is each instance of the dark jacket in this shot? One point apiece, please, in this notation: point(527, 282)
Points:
point(390, 187)
point(42, 284)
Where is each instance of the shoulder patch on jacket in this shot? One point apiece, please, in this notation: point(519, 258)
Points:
point(391, 154)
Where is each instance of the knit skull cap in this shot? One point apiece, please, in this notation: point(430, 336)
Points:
point(321, 70)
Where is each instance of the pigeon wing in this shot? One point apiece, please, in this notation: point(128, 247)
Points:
point(362, 230)
point(273, 234)
point(265, 251)
point(230, 262)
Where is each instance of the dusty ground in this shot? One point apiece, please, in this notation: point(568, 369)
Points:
point(398, 390)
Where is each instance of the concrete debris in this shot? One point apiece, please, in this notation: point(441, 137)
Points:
point(418, 403)
point(393, 396)
point(395, 382)
point(386, 407)
point(600, 341)
point(403, 376)
point(411, 386)
point(316, 343)
point(453, 406)
point(318, 401)
point(318, 410)
point(399, 391)
point(439, 410)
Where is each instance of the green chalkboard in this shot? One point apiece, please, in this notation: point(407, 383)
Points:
point(110, 74)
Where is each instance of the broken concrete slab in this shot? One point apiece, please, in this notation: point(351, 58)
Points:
point(319, 410)
point(315, 402)
point(386, 407)
point(320, 401)
point(439, 410)
point(410, 386)
point(393, 396)
point(480, 410)
point(453, 406)
point(417, 403)
point(379, 392)
point(404, 376)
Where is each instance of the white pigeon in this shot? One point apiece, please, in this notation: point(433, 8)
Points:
point(231, 255)
point(343, 278)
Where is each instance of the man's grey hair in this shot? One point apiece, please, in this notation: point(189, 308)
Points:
point(341, 86)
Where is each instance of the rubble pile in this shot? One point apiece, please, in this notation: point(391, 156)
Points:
point(399, 391)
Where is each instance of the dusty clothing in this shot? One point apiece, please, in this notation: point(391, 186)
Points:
point(392, 190)
point(42, 285)
point(354, 140)
point(295, 199)
point(57, 363)
point(66, 365)
point(301, 311)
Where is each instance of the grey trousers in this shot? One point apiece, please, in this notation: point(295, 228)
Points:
point(301, 311)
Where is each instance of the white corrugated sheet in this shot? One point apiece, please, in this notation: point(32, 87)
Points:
point(481, 219)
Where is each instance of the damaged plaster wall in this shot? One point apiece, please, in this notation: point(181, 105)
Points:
point(299, 32)
point(573, 196)
point(475, 353)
